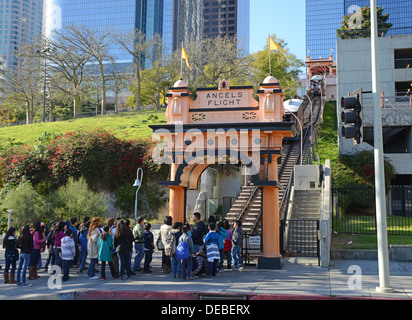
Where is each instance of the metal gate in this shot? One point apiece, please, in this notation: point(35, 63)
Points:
point(401, 201)
point(301, 238)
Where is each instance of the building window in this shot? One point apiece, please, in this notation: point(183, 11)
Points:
point(403, 88)
point(403, 59)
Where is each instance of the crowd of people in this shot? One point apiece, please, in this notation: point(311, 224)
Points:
point(187, 251)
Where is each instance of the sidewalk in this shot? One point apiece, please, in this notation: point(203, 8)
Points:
point(301, 278)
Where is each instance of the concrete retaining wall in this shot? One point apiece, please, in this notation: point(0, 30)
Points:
point(396, 253)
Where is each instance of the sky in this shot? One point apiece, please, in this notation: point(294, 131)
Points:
point(285, 18)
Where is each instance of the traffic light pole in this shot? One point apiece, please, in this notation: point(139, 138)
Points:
point(382, 237)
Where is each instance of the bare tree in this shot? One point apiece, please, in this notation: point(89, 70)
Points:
point(213, 60)
point(136, 45)
point(26, 82)
point(67, 62)
point(97, 45)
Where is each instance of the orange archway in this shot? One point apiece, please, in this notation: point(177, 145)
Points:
point(227, 125)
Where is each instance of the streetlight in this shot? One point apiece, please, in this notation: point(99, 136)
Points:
point(381, 226)
point(46, 50)
point(10, 212)
point(138, 184)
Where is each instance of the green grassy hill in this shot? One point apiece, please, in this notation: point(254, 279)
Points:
point(126, 125)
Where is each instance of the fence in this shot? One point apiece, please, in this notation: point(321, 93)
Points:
point(354, 211)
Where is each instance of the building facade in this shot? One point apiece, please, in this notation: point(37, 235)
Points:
point(20, 22)
point(174, 20)
point(323, 17)
point(227, 17)
point(354, 71)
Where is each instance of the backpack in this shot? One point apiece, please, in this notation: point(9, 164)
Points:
point(170, 245)
point(182, 251)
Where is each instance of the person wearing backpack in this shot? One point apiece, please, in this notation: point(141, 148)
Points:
point(185, 252)
point(173, 238)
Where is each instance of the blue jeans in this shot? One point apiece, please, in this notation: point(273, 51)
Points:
point(139, 255)
point(82, 259)
point(148, 255)
point(57, 257)
point(23, 263)
point(236, 251)
point(91, 272)
point(124, 263)
point(8, 264)
point(187, 268)
point(176, 266)
point(212, 267)
point(66, 269)
point(34, 258)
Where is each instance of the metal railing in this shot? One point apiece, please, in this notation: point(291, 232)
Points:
point(398, 102)
point(353, 211)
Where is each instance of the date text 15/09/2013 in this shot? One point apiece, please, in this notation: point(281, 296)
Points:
point(218, 309)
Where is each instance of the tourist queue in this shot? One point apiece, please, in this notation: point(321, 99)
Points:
point(187, 251)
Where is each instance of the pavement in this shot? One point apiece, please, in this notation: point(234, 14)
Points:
point(299, 279)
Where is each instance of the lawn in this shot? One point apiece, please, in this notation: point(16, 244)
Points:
point(327, 138)
point(364, 232)
point(126, 125)
point(365, 241)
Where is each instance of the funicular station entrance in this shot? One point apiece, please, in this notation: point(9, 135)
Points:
point(226, 125)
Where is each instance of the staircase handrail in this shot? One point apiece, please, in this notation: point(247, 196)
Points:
point(247, 203)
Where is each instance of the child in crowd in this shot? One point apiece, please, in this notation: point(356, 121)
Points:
point(25, 243)
point(105, 245)
point(200, 265)
point(68, 252)
point(212, 248)
point(187, 263)
point(148, 247)
point(11, 255)
point(237, 242)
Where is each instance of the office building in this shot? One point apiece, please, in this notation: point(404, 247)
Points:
point(354, 67)
point(174, 20)
point(20, 22)
point(323, 17)
point(227, 17)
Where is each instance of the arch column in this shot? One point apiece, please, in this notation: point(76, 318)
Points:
point(271, 257)
point(177, 203)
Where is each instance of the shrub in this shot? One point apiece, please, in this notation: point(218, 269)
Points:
point(28, 205)
point(358, 171)
point(149, 200)
point(76, 200)
point(99, 156)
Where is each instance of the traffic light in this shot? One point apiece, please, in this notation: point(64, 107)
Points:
point(352, 118)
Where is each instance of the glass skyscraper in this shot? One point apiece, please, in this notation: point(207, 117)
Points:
point(174, 20)
point(323, 17)
point(20, 22)
point(227, 17)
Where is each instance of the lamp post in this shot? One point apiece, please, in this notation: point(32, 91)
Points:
point(44, 83)
point(138, 184)
point(381, 226)
point(10, 212)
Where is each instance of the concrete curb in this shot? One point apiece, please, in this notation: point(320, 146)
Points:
point(196, 296)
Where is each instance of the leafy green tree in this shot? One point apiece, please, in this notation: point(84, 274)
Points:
point(358, 25)
point(285, 67)
point(28, 205)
